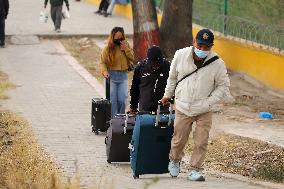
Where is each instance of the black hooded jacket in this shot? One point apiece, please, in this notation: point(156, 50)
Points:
point(4, 9)
point(148, 84)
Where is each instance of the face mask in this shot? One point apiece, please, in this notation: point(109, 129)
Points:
point(200, 53)
point(117, 41)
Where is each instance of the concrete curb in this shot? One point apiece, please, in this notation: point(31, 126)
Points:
point(58, 36)
point(92, 81)
point(269, 185)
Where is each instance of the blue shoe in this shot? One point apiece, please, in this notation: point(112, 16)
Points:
point(194, 175)
point(174, 168)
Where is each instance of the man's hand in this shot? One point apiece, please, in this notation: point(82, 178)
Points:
point(165, 101)
point(106, 74)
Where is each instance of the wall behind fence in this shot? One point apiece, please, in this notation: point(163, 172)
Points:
point(263, 65)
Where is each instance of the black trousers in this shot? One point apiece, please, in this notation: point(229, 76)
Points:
point(2, 31)
point(103, 5)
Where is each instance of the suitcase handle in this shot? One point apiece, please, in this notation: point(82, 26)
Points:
point(159, 111)
point(125, 122)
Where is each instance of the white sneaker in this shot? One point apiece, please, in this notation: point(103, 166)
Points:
point(174, 168)
point(58, 31)
point(194, 175)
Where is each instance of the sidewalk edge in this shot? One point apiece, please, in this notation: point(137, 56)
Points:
point(92, 81)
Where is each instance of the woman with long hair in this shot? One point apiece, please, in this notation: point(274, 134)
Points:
point(116, 57)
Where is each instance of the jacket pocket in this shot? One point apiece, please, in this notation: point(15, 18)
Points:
point(199, 107)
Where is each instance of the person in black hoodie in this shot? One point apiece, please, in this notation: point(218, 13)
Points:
point(149, 81)
point(4, 10)
point(56, 12)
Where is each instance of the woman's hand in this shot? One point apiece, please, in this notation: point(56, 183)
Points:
point(123, 45)
point(106, 74)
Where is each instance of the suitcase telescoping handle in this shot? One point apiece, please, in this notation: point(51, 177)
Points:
point(107, 88)
point(159, 111)
point(125, 122)
point(127, 115)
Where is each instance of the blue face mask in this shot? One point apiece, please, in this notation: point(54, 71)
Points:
point(200, 53)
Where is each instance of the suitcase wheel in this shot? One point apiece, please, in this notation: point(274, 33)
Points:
point(95, 131)
point(136, 176)
point(109, 161)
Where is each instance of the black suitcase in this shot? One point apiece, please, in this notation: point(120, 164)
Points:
point(101, 111)
point(118, 138)
point(101, 115)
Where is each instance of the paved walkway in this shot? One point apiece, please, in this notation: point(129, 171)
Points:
point(23, 19)
point(53, 96)
point(56, 100)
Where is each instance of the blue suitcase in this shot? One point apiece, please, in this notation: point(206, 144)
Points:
point(151, 143)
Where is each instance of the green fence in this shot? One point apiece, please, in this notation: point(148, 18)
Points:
point(261, 21)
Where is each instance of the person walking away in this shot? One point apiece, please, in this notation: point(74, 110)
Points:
point(104, 4)
point(4, 10)
point(115, 60)
point(149, 81)
point(194, 97)
point(56, 12)
point(112, 4)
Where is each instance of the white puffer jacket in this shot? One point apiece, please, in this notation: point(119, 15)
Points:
point(198, 92)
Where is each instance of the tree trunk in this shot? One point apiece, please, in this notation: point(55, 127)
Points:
point(176, 26)
point(146, 30)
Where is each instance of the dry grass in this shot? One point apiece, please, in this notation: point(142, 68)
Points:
point(4, 85)
point(245, 156)
point(87, 54)
point(23, 163)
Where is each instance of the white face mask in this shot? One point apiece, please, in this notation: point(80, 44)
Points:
point(200, 53)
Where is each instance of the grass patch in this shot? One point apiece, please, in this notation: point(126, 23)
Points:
point(245, 156)
point(86, 52)
point(274, 173)
point(4, 85)
point(23, 164)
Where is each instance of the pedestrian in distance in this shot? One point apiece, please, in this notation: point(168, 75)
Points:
point(149, 81)
point(4, 10)
point(116, 58)
point(56, 12)
point(112, 5)
point(104, 4)
point(194, 97)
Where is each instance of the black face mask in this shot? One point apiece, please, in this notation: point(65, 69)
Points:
point(117, 41)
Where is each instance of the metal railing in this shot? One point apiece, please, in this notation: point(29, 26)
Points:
point(260, 21)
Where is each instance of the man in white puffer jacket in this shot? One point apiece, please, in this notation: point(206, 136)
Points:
point(194, 97)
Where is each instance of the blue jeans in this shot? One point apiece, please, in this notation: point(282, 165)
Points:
point(118, 91)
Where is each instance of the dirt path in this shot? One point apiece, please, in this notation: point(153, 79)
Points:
point(241, 116)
